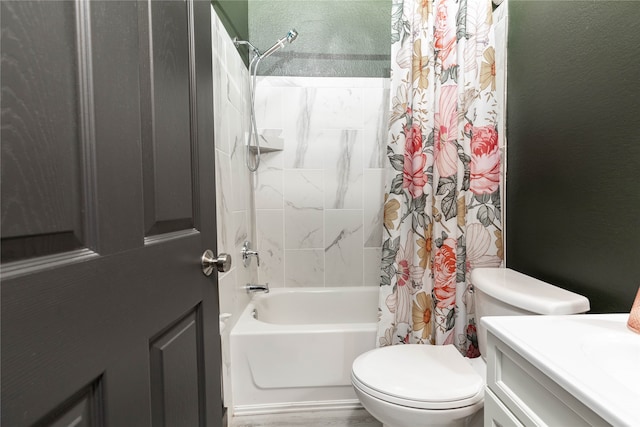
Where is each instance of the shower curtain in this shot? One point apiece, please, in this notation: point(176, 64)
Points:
point(442, 196)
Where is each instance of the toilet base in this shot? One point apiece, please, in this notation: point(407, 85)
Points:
point(392, 415)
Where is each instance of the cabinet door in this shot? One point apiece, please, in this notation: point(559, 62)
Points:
point(529, 394)
point(496, 414)
point(107, 206)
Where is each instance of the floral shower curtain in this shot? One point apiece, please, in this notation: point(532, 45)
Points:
point(442, 201)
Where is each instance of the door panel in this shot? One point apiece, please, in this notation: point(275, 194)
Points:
point(111, 114)
point(41, 211)
point(125, 331)
point(84, 410)
point(176, 392)
point(168, 183)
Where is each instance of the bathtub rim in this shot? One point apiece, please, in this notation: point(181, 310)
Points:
point(247, 324)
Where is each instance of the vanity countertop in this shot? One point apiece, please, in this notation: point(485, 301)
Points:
point(594, 357)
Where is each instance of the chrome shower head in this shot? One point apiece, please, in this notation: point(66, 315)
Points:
point(289, 37)
point(292, 35)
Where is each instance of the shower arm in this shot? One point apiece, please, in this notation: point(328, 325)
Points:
point(291, 35)
point(239, 43)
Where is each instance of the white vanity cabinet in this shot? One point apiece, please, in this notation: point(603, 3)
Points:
point(562, 371)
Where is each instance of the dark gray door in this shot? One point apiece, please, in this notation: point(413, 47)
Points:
point(107, 206)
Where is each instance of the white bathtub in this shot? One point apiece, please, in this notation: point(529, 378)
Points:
point(292, 348)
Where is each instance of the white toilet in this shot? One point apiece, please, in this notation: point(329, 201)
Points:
point(450, 391)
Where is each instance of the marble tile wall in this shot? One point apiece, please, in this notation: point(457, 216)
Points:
point(319, 200)
point(234, 196)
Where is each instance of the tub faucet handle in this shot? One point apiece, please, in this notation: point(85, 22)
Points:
point(247, 252)
point(251, 288)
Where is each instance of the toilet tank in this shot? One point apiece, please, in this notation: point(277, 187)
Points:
point(506, 292)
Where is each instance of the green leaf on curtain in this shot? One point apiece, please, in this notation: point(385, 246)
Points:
point(420, 203)
point(449, 73)
point(464, 158)
point(387, 258)
point(453, 73)
point(389, 251)
point(466, 180)
point(419, 207)
point(396, 184)
point(461, 21)
point(495, 198)
point(485, 215)
point(444, 75)
point(429, 141)
point(460, 273)
point(396, 21)
point(461, 260)
point(440, 240)
point(449, 205)
point(397, 162)
point(385, 280)
point(446, 184)
point(451, 319)
point(483, 198)
point(466, 161)
point(386, 275)
point(407, 31)
point(392, 243)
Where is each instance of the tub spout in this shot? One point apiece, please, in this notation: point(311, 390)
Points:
point(257, 288)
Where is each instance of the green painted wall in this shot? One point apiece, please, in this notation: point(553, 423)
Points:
point(338, 38)
point(573, 180)
point(234, 16)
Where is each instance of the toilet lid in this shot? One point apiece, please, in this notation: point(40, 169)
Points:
point(418, 376)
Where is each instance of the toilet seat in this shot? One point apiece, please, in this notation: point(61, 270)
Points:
point(418, 376)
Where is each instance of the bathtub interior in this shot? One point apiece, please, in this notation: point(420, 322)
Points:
point(291, 306)
point(297, 353)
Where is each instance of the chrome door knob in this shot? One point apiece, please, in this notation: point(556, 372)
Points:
point(221, 262)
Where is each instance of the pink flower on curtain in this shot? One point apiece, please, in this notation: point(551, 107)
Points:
point(413, 176)
point(445, 38)
point(446, 124)
point(485, 160)
point(404, 272)
point(444, 274)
